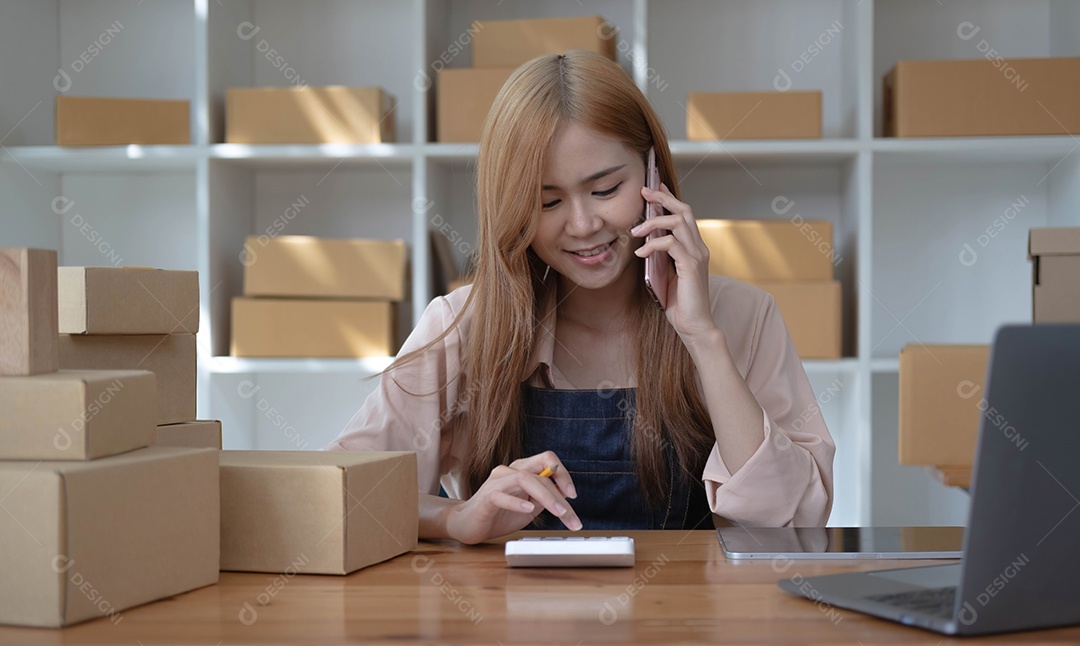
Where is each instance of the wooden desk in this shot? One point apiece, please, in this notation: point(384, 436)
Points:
point(682, 590)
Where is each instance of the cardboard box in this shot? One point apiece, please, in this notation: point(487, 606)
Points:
point(87, 121)
point(770, 250)
point(509, 43)
point(309, 267)
point(713, 116)
point(941, 392)
point(273, 327)
point(28, 311)
point(464, 98)
point(332, 114)
point(171, 357)
point(318, 512)
point(193, 435)
point(128, 300)
point(76, 414)
point(1055, 253)
point(975, 98)
point(84, 540)
point(811, 312)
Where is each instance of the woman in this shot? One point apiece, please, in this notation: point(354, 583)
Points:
point(557, 357)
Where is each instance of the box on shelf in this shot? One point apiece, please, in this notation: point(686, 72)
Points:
point(278, 327)
point(464, 98)
point(770, 250)
point(310, 267)
point(333, 114)
point(28, 311)
point(128, 300)
point(193, 435)
point(93, 121)
point(171, 357)
point(713, 116)
point(509, 43)
point(941, 395)
point(95, 538)
point(318, 512)
point(1056, 276)
point(76, 414)
point(811, 311)
point(976, 98)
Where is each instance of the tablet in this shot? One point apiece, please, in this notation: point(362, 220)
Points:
point(842, 542)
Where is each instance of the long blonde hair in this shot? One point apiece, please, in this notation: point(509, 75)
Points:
point(509, 287)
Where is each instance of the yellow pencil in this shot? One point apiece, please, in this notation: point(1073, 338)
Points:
point(548, 471)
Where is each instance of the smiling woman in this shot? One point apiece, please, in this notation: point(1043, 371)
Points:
point(557, 356)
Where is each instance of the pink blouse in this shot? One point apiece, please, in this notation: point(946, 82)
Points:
point(787, 481)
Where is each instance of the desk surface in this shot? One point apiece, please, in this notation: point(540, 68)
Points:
point(682, 590)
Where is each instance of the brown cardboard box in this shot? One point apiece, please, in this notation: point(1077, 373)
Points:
point(76, 415)
point(333, 114)
point(193, 435)
point(318, 512)
point(172, 357)
point(941, 394)
point(712, 116)
point(974, 98)
point(309, 267)
point(464, 98)
point(128, 300)
point(274, 327)
point(84, 540)
point(1056, 276)
point(811, 312)
point(28, 311)
point(770, 250)
point(509, 43)
point(86, 121)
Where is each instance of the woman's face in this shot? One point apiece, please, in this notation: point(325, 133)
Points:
point(591, 197)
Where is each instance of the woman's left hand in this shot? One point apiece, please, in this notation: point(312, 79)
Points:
point(687, 308)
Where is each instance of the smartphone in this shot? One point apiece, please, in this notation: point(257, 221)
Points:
point(657, 264)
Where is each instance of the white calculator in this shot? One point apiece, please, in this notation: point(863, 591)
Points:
point(571, 551)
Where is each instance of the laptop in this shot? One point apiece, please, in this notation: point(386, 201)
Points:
point(1021, 563)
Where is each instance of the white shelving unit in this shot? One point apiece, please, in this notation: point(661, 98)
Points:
point(903, 210)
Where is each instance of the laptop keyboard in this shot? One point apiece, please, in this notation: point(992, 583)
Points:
point(938, 602)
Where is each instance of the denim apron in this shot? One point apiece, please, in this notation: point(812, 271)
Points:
point(590, 432)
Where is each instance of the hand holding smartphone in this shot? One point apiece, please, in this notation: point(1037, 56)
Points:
point(658, 263)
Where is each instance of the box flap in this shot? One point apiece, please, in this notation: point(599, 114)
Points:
point(381, 509)
point(71, 289)
point(1054, 241)
point(280, 515)
point(304, 459)
point(142, 526)
point(32, 539)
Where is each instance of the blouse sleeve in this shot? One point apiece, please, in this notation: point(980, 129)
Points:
point(413, 405)
point(788, 480)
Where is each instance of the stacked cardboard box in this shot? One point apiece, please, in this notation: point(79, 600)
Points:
point(346, 510)
point(941, 399)
point(465, 95)
point(1055, 254)
point(135, 318)
point(96, 121)
point(974, 98)
point(712, 116)
point(793, 261)
point(95, 522)
point(331, 114)
point(319, 297)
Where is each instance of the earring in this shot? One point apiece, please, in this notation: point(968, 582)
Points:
point(547, 268)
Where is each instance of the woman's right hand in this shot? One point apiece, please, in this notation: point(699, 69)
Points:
point(512, 497)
